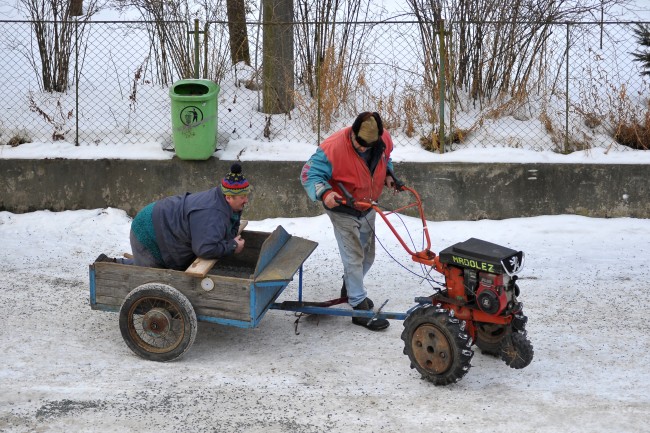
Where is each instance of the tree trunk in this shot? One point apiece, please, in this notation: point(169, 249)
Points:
point(238, 34)
point(76, 8)
point(278, 59)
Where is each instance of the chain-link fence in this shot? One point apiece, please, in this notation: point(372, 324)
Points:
point(541, 86)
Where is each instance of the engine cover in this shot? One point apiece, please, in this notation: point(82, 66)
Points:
point(483, 256)
point(491, 295)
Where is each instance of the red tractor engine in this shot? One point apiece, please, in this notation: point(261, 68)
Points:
point(482, 275)
point(492, 293)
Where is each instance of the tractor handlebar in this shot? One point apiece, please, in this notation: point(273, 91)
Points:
point(424, 256)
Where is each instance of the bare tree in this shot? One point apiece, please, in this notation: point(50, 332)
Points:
point(494, 47)
point(167, 23)
point(329, 32)
point(172, 50)
point(55, 33)
point(278, 57)
point(238, 34)
point(76, 8)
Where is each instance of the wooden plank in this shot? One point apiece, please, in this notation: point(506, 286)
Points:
point(200, 267)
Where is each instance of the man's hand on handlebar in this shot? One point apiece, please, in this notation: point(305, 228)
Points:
point(332, 199)
point(390, 182)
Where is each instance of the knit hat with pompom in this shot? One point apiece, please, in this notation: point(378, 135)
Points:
point(235, 183)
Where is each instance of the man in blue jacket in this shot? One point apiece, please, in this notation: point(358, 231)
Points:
point(356, 158)
point(172, 232)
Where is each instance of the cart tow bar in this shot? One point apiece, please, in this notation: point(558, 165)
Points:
point(373, 318)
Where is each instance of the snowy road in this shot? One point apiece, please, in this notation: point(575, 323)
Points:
point(65, 368)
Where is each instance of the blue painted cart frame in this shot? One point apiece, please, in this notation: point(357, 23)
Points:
point(326, 307)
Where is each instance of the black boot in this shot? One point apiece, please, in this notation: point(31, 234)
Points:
point(344, 294)
point(104, 258)
point(373, 325)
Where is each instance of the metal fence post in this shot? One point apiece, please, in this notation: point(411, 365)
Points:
point(566, 107)
point(442, 85)
point(205, 50)
point(318, 100)
point(76, 81)
point(196, 48)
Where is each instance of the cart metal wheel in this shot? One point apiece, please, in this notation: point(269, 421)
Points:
point(157, 322)
point(437, 345)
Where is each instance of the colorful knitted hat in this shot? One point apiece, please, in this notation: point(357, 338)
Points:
point(235, 183)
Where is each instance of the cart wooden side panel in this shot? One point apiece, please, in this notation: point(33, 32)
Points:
point(228, 300)
point(245, 285)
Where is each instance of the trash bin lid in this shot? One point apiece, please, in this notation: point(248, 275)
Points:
point(193, 89)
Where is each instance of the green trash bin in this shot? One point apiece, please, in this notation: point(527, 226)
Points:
point(194, 118)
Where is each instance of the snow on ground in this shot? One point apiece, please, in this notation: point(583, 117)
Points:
point(65, 367)
point(252, 150)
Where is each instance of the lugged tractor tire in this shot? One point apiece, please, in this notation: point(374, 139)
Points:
point(157, 322)
point(437, 345)
point(516, 351)
point(489, 337)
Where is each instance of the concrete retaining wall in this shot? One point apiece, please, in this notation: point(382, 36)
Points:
point(450, 191)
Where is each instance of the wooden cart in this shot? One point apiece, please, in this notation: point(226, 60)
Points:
point(159, 308)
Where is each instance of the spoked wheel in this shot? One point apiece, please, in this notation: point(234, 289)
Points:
point(437, 345)
point(489, 337)
point(516, 350)
point(157, 322)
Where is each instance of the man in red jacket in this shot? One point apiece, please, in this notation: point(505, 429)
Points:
point(358, 159)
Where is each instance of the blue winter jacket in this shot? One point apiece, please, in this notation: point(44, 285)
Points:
point(194, 225)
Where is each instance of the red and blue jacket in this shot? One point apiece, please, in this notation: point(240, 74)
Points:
point(336, 161)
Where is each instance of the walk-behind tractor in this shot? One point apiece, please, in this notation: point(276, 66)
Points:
point(476, 304)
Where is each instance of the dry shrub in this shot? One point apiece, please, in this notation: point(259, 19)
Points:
point(634, 134)
point(418, 110)
point(629, 130)
point(506, 105)
point(332, 87)
point(410, 111)
point(615, 111)
point(546, 122)
point(431, 142)
point(389, 109)
point(592, 120)
point(576, 141)
point(18, 139)
point(58, 117)
point(333, 91)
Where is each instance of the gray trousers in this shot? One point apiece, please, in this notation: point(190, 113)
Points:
point(141, 255)
point(356, 240)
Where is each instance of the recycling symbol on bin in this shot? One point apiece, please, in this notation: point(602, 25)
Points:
point(191, 115)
